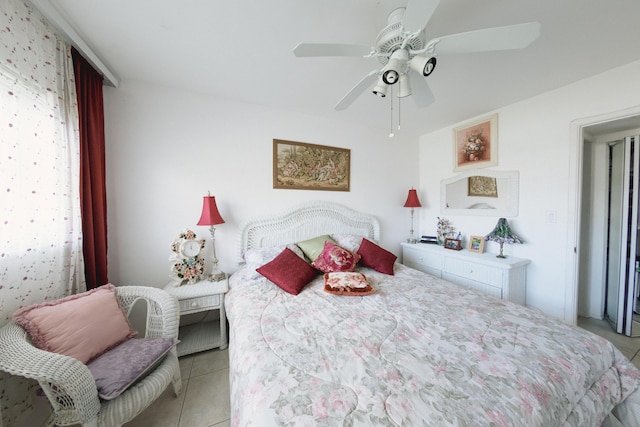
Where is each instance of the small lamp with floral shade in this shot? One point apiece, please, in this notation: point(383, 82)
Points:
point(502, 234)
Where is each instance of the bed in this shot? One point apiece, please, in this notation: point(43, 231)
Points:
point(417, 351)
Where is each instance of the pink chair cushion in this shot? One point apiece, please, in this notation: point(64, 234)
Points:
point(82, 326)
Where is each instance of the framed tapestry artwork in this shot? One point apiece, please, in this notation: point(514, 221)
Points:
point(475, 144)
point(302, 166)
point(482, 186)
point(476, 244)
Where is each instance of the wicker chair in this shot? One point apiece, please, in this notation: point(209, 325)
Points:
point(67, 382)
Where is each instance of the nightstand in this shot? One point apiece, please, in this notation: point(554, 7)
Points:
point(201, 296)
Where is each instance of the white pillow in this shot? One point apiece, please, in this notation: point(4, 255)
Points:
point(350, 242)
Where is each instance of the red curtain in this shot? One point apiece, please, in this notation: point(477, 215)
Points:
point(93, 194)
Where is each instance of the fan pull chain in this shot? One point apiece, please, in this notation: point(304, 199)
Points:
point(399, 102)
point(391, 134)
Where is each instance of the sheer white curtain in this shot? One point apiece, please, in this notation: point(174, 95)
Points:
point(40, 224)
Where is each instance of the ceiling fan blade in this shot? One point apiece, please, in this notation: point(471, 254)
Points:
point(499, 38)
point(421, 92)
point(417, 14)
point(357, 90)
point(331, 49)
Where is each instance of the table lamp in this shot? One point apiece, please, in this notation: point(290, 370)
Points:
point(210, 216)
point(502, 234)
point(412, 202)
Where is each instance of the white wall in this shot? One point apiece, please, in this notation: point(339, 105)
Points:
point(535, 138)
point(166, 148)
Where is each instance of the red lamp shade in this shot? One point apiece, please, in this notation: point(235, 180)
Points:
point(412, 200)
point(210, 214)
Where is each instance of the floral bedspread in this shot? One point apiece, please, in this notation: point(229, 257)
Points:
point(419, 351)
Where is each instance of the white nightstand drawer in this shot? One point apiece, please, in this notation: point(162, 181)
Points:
point(473, 271)
point(208, 302)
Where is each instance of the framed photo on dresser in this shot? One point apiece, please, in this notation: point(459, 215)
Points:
point(453, 244)
point(476, 244)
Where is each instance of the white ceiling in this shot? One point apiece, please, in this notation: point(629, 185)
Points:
point(242, 50)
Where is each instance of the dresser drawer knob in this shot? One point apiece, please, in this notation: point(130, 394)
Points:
point(194, 304)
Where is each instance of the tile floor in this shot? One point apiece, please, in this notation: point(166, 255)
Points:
point(630, 347)
point(204, 401)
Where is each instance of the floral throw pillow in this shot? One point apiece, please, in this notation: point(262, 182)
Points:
point(335, 258)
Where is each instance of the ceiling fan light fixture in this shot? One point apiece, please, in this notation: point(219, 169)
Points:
point(404, 86)
point(390, 77)
point(424, 65)
point(396, 66)
point(381, 88)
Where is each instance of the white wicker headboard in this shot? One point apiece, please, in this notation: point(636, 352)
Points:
point(305, 222)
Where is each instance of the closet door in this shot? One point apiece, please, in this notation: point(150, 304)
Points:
point(614, 234)
point(630, 230)
point(622, 234)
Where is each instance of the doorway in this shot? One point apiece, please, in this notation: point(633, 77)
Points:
point(585, 293)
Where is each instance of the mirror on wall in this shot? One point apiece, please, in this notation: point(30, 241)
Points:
point(480, 193)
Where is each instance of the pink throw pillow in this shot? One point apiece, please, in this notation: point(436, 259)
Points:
point(82, 326)
point(290, 272)
point(376, 257)
point(335, 258)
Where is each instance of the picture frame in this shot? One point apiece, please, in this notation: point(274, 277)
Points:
point(482, 186)
point(453, 244)
point(475, 144)
point(476, 244)
point(304, 166)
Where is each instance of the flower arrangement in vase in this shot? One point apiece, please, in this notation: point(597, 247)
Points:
point(475, 147)
point(445, 229)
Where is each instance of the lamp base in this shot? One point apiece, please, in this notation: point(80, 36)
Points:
point(412, 240)
point(501, 255)
point(216, 277)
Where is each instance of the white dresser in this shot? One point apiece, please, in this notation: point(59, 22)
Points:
point(501, 277)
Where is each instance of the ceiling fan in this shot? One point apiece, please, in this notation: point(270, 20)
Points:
point(403, 52)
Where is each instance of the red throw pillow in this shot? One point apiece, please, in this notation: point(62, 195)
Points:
point(335, 258)
point(376, 257)
point(290, 272)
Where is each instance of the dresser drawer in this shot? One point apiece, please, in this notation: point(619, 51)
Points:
point(413, 257)
point(473, 271)
point(199, 304)
point(494, 291)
